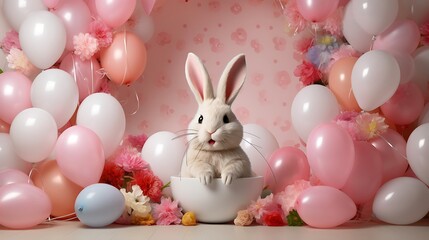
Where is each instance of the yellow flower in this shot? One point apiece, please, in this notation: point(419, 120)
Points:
point(189, 219)
point(146, 220)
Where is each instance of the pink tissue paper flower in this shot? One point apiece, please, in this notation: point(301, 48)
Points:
point(136, 141)
point(85, 46)
point(307, 73)
point(101, 32)
point(130, 159)
point(342, 52)
point(296, 22)
point(333, 24)
point(167, 212)
point(303, 44)
point(287, 198)
point(262, 207)
point(361, 126)
point(10, 40)
point(19, 62)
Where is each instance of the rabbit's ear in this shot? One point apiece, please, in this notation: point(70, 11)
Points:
point(198, 78)
point(232, 79)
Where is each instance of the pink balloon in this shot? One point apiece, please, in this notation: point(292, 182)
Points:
point(15, 90)
point(331, 154)
point(405, 106)
point(80, 155)
point(76, 18)
point(23, 206)
point(288, 164)
point(391, 146)
point(87, 74)
point(115, 12)
point(366, 176)
point(92, 7)
point(402, 36)
point(51, 3)
point(4, 127)
point(325, 207)
point(316, 10)
point(9, 176)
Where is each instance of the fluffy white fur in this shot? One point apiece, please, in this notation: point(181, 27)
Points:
point(214, 147)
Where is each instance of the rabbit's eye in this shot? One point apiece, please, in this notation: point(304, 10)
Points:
point(225, 119)
point(200, 119)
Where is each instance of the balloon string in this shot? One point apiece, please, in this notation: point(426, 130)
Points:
point(138, 102)
point(92, 77)
point(372, 42)
point(33, 168)
point(126, 54)
point(393, 147)
point(71, 215)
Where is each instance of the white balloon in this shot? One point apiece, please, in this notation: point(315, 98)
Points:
point(418, 152)
point(357, 37)
point(421, 69)
point(8, 156)
point(43, 38)
point(104, 115)
point(258, 143)
point(375, 16)
point(313, 105)
point(420, 11)
point(403, 200)
point(34, 134)
point(164, 152)
point(375, 78)
point(16, 11)
point(55, 91)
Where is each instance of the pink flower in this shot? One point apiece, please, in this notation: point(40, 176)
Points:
point(273, 219)
point(303, 44)
point(239, 36)
point(101, 32)
point(370, 125)
point(424, 31)
point(296, 22)
point(85, 45)
point(333, 24)
point(137, 141)
point(130, 160)
point(10, 40)
point(19, 62)
point(307, 73)
point(236, 8)
point(287, 198)
point(263, 206)
point(342, 52)
point(167, 212)
point(347, 120)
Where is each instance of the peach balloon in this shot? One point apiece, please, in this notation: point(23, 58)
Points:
point(340, 83)
point(61, 191)
point(125, 59)
point(4, 127)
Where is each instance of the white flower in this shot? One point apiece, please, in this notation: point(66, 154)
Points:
point(135, 202)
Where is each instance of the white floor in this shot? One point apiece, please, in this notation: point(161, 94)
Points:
point(359, 231)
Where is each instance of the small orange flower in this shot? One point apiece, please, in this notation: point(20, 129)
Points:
point(189, 219)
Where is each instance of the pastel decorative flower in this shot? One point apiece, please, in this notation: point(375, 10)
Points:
point(19, 62)
point(347, 120)
point(130, 160)
point(189, 219)
point(263, 206)
point(136, 203)
point(424, 31)
point(244, 218)
point(371, 125)
point(10, 40)
point(307, 73)
point(101, 32)
point(85, 45)
point(288, 197)
point(167, 212)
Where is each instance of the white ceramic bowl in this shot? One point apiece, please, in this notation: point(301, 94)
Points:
point(216, 202)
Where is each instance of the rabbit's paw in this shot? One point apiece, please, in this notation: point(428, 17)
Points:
point(227, 178)
point(206, 178)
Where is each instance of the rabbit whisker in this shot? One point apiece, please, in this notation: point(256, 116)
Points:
point(253, 145)
point(187, 129)
point(183, 135)
point(185, 154)
point(262, 155)
point(251, 134)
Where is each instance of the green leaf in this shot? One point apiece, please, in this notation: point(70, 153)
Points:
point(166, 185)
point(293, 219)
point(1, 71)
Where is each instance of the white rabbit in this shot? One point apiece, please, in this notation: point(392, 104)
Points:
point(215, 133)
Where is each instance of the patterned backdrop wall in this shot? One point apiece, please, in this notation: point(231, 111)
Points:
point(216, 31)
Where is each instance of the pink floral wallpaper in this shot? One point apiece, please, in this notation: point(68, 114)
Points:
point(216, 30)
